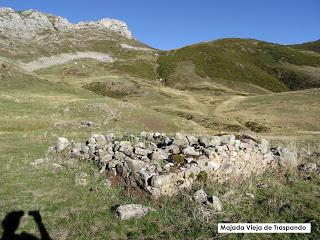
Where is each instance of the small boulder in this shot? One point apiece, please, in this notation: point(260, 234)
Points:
point(134, 165)
point(133, 211)
point(228, 139)
point(200, 196)
point(57, 167)
point(142, 151)
point(308, 168)
point(288, 158)
point(62, 144)
point(192, 140)
point(180, 140)
point(210, 142)
point(154, 192)
point(264, 146)
point(214, 203)
point(190, 151)
point(39, 161)
point(158, 155)
point(52, 149)
point(174, 149)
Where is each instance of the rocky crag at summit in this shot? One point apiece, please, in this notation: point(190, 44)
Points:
point(31, 40)
point(161, 165)
point(31, 24)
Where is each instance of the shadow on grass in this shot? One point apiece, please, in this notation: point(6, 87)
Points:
point(11, 223)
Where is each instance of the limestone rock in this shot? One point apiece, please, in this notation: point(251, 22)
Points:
point(228, 139)
point(210, 141)
point(200, 196)
point(192, 140)
point(38, 162)
point(264, 146)
point(62, 144)
point(308, 168)
point(155, 192)
point(159, 154)
point(134, 165)
point(190, 151)
point(288, 158)
point(57, 167)
point(161, 180)
point(214, 203)
point(129, 211)
point(164, 166)
point(180, 140)
point(31, 24)
point(142, 152)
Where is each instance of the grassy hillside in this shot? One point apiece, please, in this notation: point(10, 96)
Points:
point(309, 46)
point(223, 86)
point(241, 60)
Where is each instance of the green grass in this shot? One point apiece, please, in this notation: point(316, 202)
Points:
point(139, 68)
point(75, 212)
point(240, 60)
point(34, 112)
point(309, 46)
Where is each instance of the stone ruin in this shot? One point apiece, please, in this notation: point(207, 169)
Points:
point(163, 165)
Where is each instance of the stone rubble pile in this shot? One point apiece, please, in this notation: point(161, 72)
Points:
point(163, 165)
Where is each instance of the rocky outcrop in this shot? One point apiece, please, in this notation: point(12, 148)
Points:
point(163, 165)
point(31, 24)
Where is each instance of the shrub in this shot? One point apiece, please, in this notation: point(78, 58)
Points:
point(202, 177)
point(177, 159)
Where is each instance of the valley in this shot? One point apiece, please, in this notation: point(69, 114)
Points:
point(55, 81)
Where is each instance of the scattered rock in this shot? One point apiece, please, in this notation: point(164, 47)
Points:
point(249, 195)
point(159, 154)
point(288, 158)
point(134, 165)
point(214, 203)
point(142, 151)
point(57, 167)
point(38, 162)
point(200, 196)
point(62, 144)
point(228, 139)
point(308, 168)
point(129, 211)
point(190, 151)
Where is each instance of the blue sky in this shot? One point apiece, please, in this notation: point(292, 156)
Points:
point(169, 24)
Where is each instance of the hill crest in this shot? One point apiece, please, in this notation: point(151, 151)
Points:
point(29, 24)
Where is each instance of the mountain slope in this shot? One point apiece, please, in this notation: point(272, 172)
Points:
point(309, 46)
point(30, 36)
point(242, 60)
point(191, 84)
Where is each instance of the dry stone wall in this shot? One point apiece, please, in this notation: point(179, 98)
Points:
point(163, 165)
